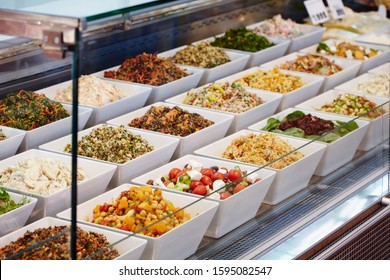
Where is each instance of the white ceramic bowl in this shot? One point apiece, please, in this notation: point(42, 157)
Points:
point(54, 130)
point(312, 85)
point(164, 148)
point(352, 85)
point(129, 248)
point(193, 141)
point(179, 243)
point(378, 129)
point(288, 180)
point(365, 64)
point(160, 93)
point(242, 120)
point(350, 69)
point(262, 56)
point(312, 34)
point(10, 145)
point(338, 152)
point(18, 217)
point(383, 68)
point(227, 217)
point(136, 97)
point(237, 62)
point(378, 38)
point(98, 177)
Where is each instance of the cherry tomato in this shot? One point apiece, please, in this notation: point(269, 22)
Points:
point(206, 180)
point(194, 184)
point(200, 190)
point(218, 176)
point(234, 174)
point(238, 188)
point(173, 173)
point(224, 195)
point(207, 172)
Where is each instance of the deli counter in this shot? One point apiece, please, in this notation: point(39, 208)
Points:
point(332, 202)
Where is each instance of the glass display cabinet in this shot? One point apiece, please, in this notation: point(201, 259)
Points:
point(207, 195)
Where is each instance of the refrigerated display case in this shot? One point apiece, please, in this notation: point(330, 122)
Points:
point(330, 217)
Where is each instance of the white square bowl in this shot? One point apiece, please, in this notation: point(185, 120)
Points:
point(352, 85)
point(98, 177)
point(350, 69)
point(10, 145)
point(129, 248)
point(365, 64)
point(288, 180)
point(378, 38)
point(312, 85)
point(241, 120)
point(179, 243)
point(227, 217)
point(164, 148)
point(54, 130)
point(160, 93)
point(18, 217)
point(378, 129)
point(262, 56)
point(338, 152)
point(191, 142)
point(237, 62)
point(383, 68)
point(312, 34)
point(136, 97)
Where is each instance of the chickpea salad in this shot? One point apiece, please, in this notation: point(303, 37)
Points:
point(314, 64)
point(140, 210)
point(227, 97)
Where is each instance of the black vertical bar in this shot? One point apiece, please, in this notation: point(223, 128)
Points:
point(75, 111)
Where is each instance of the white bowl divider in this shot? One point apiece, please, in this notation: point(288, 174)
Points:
point(18, 217)
point(350, 69)
point(241, 120)
point(178, 243)
point(136, 96)
point(191, 142)
point(365, 64)
point(10, 145)
point(288, 180)
point(378, 130)
point(160, 93)
point(129, 248)
point(237, 63)
point(164, 148)
point(338, 152)
point(98, 176)
point(311, 87)
point(51, 131)
point(227, 217)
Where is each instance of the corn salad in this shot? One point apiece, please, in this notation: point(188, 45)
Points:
point(272, 80)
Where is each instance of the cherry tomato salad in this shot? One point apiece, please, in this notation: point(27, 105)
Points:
point(196, 179)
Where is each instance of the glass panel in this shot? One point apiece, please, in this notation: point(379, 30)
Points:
point(85, 9)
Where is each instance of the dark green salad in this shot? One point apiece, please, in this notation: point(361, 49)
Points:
point(7, 204)
point(299, 124)
point(242, 39)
